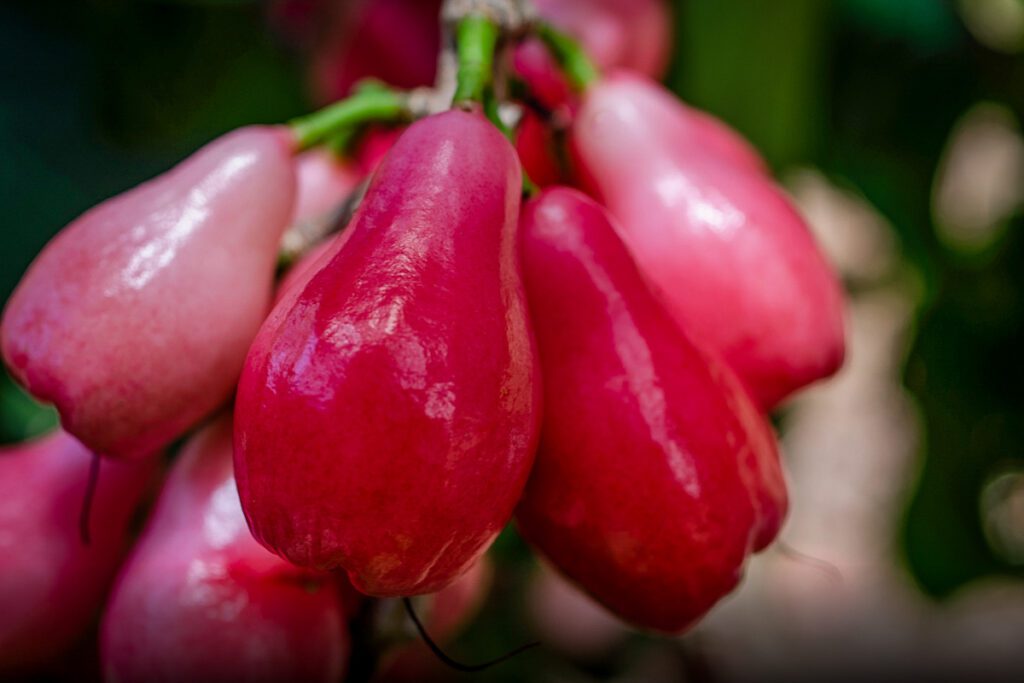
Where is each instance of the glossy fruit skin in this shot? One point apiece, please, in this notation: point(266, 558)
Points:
point(201, 600)
point(52, 585)
point(135, 319)
point(387, 414)
point(648, 489)
point(733, 260)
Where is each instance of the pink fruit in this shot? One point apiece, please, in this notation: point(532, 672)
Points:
point(397, 41)
point(324, 182)
point(386, 417)
point(656, 475)
point(200, 600)
point(52, 584)
point(633, 34)
point(136, 318)
point(731, 257)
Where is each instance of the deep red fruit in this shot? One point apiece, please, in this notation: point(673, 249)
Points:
point(732, 258)
point(135, 320)
point(200, 600)
point(386, 417)
point(656, 475)
point(51, 584)
point(538, 151)
point(396, 41)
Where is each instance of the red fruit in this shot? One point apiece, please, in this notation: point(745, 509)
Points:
point(632, 34)
point(535, 66)
point(200, 600)
point(136, 318)
point(386, 417)
point(52, 584)
point(537, 151)
point(650, 484)
point(396, 41)
point(324, 182)
point(295, 280)
point(731, 257)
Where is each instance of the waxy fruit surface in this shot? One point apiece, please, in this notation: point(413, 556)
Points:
point(135, 320)
point(387, 414)
point(52, 584)
point(201, 600)
point(728, 253)
point(655, 475)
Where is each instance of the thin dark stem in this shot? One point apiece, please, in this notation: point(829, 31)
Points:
point(440, 654)
point(90, 492)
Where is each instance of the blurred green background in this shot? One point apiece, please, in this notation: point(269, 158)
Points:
point(98, 95)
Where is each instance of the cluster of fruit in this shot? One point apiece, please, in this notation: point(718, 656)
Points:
point(596, 359)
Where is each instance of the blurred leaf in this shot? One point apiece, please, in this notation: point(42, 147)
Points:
point(760, 65)
point(21, 417)
point(967, 370)
point(928, 25)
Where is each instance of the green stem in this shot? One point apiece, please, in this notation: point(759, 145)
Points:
point(476, 39)
point(365, 106)
point(570, 55)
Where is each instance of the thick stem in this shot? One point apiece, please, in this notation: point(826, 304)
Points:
point(569, 54)
point(365, 106)
point(476, 39)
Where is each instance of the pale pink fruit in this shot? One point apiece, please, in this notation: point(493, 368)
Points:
point(135, 320)
point(52, 584)
point(732, 259)
point(324, 183)
point(633, 34)
point(200, 600)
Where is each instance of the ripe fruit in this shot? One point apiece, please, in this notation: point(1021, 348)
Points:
point(731, 257)
point(397, 41)
point(52, 584)
point(393, 40)
point(633, 34)
point(386, 416)
point(649, 488)
point(324, 182)
point(200, 600)
point(538, 151)
point(136, 318)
